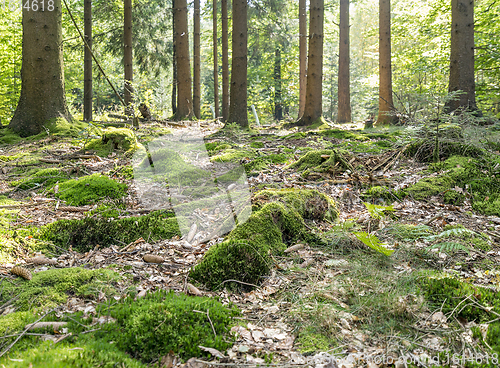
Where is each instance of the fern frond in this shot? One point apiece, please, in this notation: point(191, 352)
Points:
point(457, 231)
point(450, 247)
point(376, 211)
point(373, 242)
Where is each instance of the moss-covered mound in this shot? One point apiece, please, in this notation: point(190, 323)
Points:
point(41, 178)
point(112, 139)
point(53, 287)
point(423, 150)
point(90, 189)
point(320, 161)
point(246, 255)
point(85, 234)
point(165, 322)
point(263, 162)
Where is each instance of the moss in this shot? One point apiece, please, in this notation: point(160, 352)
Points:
point(233, 155)
point(314, 162)
point(90, 189)
point(257, 144)
point(7, 158)
point(493, 337)
point(263, 162)
point(344, 134)
point(376, 192)
point(7, 136)
point(14, 321)
point(440, 185)
point(84, 234)
point(42, 178)
point(309, 342)
point(422, 150)
point(112, 139)
point(53, 287)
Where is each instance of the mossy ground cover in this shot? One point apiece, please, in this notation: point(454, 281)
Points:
point(44, 178)
point(113, 139)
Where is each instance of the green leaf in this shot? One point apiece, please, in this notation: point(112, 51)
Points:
point(373, 242)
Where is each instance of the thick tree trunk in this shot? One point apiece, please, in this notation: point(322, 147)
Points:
point(42, 80)
point(196, 60)
point(278, 103)
point(174, 65)
point(302, 55)
point(385, 102)
point(87, 62)
point(184, 100)
point(238, 101)
point(314, 107)
point(216, 62)
point(344, 91)
point(225, 62)
point(127, 53)
point(462, 55)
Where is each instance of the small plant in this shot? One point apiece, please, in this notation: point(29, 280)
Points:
point(373, 242)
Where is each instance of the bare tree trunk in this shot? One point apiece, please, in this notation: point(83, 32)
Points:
point(238, 101)
point(385, 102)
point(462, 55)
point(196, 60)
point(42, 79)
point(278, 103)
point(302, 55)
point(127, 53)
point(216, 62)
point(174, 65)
point(314, 105)
point(344, 92)
point(225, 62)
point(184, 100)
point(87, 62)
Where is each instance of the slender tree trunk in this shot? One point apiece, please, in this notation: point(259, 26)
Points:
point(196, 60)
point(302, 55)
point(385, 102)
point(238, 101)
point(87, 62)
point(127, 53)
point(278, 103)
point(174, 65)
point(42, 79)
point(344, 92)
point(462, 55)
point(184, 97)
point(216, 62)
point(314, 107)
point(225, 62)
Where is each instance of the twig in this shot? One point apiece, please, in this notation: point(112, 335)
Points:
point(240, 282)
point(209, 320)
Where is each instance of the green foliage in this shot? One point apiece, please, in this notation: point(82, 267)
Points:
point(90, 189)
point(309, 342)
point(41, 178)
point(449, 247)
point(53, 287)
point(376, 211)
point(409, 233)
point(84, 234)
point(162, 322)
point(262, 162)
point(114, 139)
point(373, 242)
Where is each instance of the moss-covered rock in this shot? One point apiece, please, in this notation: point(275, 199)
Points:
point(233, 155)
point(112, 139)
point(90, 189)
point(319, 161)
point(85, 234)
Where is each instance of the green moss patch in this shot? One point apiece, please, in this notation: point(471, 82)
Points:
point(41, 178)
point(263, 162)
point(90, 189)
point(53, 287)
point(319, 161)
point(423, 149)
point(85, 234)
point(233, 155)
point(112, 139)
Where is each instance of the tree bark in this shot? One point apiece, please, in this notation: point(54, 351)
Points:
point(174, 65)
point(278, 103)
point(184, 97)
point(127, 54)
point(196, 60)
point(87, 63)
point(385, 101)
point(225, 62)
point(344, 92)
point(302, 55)
point(314, 106)
point(238, 100)
point(462, 56)
point(42, 79)
point(216, 62)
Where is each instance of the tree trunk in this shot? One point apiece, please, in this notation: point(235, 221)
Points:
point(174, 65)
point(344, 92)
point(196, 60)
point(278, 103)
point(462, 56)
point(42, 79)
point(314, 108)
point(238, 100)
point(302, 55)
point(127, 54)
point(184, 97)
point(216, 62)
point(385, 102)
point(225, 62)
point(87, 62)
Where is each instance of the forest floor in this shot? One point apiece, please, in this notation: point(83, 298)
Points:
point(407, 276)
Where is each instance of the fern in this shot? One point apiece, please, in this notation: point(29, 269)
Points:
point(450, 247)
point(373, 242)
point(457, 231)
point(376, 211)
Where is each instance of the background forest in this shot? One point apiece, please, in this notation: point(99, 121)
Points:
point(420, 55)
